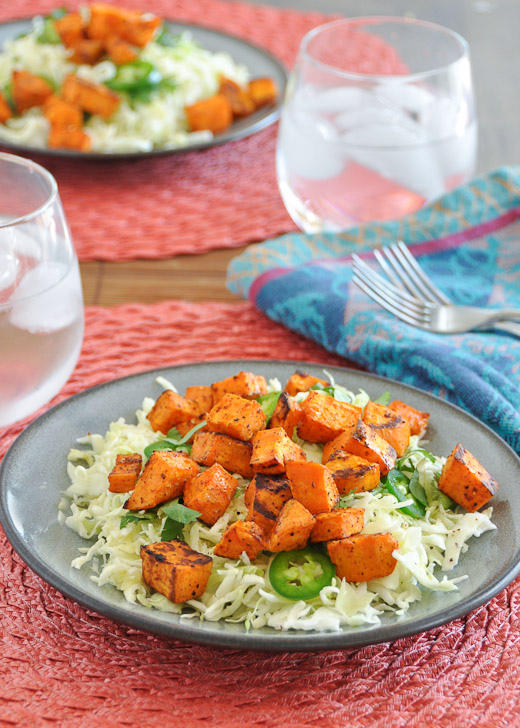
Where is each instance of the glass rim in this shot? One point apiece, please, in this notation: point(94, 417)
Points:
point(372, 20)
point(51, 197)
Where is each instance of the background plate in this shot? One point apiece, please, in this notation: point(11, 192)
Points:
point(33, 475)
point(259, 62)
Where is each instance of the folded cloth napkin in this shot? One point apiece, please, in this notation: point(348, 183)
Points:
point(468, 241)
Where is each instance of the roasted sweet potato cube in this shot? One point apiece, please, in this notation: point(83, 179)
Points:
point(418, 420)
point(92, 97)
point(69, 137)
point(466, 481)
point(287, 414)
point(86, 51)
point(266, 496)
point(70, 28)
point(272, 449)
point(119, 51)
point(324, 418)
point(29, 90)
point(391, 426)
point(237, 417)
point(169, 410)
point(364, 556)
point(366, 443)
point(162, 479)
point(125, 472)
point(106, 20)
point(245, 384)
point(301, 382)
point(139, 30)
point(5, 110)
point(241, 102)
point(339, 523)
point(233, 455)
point(202, 397)
point(352, 473)
point(212, 114)
point(174, 569)
point(239, 537)
point(292, 528)
point(59, 112)
point(312, 485)
point(185, 427)
point(263, 91)
point(210, 493)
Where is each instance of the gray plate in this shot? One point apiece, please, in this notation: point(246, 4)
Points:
point(259, 62)
point(33, 474)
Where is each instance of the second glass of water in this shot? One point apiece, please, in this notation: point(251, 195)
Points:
point(378, 119)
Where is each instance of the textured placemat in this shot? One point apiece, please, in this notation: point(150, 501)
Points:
point(184, 203)
point(64, 666)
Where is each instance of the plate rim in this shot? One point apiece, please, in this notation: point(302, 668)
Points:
point(281, 641)
point(269, 116)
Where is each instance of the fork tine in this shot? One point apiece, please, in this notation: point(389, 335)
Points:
point(360, 266)
point(393, 296)
point(376, 296)
point(404, 277)
point(429, 289)
point(388, 270)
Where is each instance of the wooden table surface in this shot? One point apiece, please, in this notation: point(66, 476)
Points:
point(490, 27)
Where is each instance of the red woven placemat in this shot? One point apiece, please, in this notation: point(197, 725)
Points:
point(64, 666)
point(183, 203)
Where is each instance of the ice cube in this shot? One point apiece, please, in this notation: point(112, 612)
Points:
point(406, 96)
point(309, 146)
point(9, 267)
point(48, 298)
point(338, 99)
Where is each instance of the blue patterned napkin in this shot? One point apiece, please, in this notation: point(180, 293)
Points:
point(468, 241)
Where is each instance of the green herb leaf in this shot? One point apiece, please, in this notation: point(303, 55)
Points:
point(49, 34)
point(268, 403)
point(384, 399)
point(417, 490)
point(177, 517)
point(180, 445)
point(168, 39)
point(333, 390)
point(135, 518)
point(400, 462)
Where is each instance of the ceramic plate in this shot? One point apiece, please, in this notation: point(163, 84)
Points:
point(33, 475)
point(259, 62)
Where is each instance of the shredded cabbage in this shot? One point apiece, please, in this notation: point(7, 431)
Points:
point(240, 591)
point(136, 126)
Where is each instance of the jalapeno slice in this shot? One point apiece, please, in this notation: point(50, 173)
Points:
point(134, 77)
point(301, 574)
point(395, 484)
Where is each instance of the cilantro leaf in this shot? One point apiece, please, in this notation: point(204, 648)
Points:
point(268, 403)
point(173, 442)
point(177, 517)
point(135, 518)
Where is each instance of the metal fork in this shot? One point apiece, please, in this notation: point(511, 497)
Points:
point(411, 296)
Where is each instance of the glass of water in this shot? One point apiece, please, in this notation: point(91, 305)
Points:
point(41, 301)
point(378, 119)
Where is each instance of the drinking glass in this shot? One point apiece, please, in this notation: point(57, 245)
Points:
point(41, 302)
point(378, 119)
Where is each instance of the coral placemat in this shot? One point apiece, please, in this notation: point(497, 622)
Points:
point(183, 203)
point(64, 666)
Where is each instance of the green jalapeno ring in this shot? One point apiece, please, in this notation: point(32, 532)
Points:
point(301, 574)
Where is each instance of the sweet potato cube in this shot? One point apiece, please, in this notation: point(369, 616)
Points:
point(185, 427)
point(272, 449)
point(301, 382)
point(175, 570)
point(392, 427)
point(245, 384)
point(418, 420)
point(287, 414)
point(86, 51)
point(312, 485)
point(210, 493)
point(69, 137)
point(324, 418)
point(292, 528)
point(466, 481)
point(237, 417)
point(139, 30)
point(352, 473)
point(106, 20)
point(202, 397)
point(263, 91)
point(366, 443)
point(92, 97)
point(212, 114)
point(364, 556)
point(119, 51)
point(29, 90)
point(70, 28)
point(339, 523)
point(234, 455)
point(239, 537)
point(59, 112)
point(125, 472)
point(241, 102)
point(169, 410)
point(266, 496)
point(162, 479)
point(5, 110)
